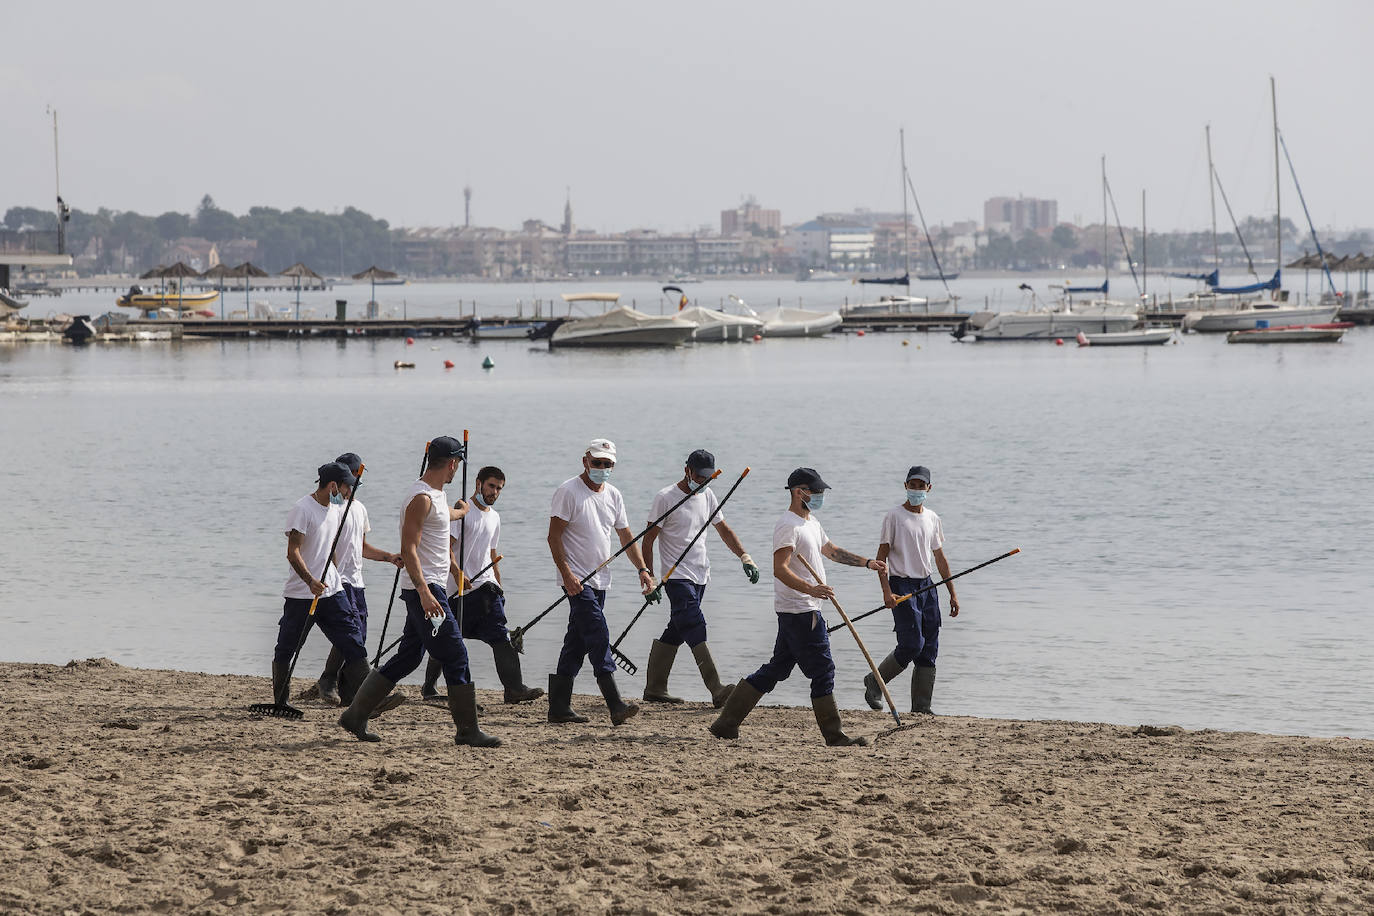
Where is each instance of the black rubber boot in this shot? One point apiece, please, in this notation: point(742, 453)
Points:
point(429, 691)
point(328, 683)
point(560, 700)
point(620, 710)
point(922, 689)
point(720, 693)
point(888, 668)
point(828, 718)
point(508, 670)
point(462, 703)
point(354, 719)
point(353, 676)
point(743, 698)
point(661, 657)
point(281, 682)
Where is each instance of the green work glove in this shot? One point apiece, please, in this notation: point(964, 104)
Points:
point(750, 569)
point(655, 596)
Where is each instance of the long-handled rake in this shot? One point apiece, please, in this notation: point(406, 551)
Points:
point(926, 588)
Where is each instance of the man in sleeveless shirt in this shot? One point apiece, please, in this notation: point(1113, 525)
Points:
point(310, 528)
point(348, 557)
point(430, 625)
point(802, 637)
point(687, 587)
point(586, 510)
point(484, 602)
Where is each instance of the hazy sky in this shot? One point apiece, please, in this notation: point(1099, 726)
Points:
point(660, 115)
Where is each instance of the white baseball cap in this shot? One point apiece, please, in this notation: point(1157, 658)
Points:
point(601, 448)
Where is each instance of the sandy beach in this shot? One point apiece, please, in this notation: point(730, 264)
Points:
point(134, 790)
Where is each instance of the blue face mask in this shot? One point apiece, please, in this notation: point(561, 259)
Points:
point(477, 498)
point(599, 475)
point(336, 498)
point(816, 501)
point(916, 497)
point(697, 486)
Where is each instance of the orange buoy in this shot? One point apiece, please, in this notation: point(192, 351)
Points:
point(861, 333)
point(409, 341)
point(448, 364)
point(758, 337)
point(1059, 341)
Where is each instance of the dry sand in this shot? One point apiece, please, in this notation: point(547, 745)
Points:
point(132, 790)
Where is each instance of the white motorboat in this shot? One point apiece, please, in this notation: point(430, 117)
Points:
point(1138, 337)
point(715, 325)
point(1299, 333)
point(1046, 324)
point(788, 322)
point(505, 330)
point(1250, 315)
point(620, 327)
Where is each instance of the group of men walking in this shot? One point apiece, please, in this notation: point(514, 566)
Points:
point(450, 581)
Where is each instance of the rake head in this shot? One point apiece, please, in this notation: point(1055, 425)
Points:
point(277, 710)
point(624, 661)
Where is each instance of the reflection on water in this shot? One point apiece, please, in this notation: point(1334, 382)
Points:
point(1192, 518)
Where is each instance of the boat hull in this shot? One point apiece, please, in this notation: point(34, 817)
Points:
point(1140, 337)
point(1331, 333)
point(1247, 319)
point(150, 301)
point(670, 336)
point(513, 331)
point(800, 323)
point(1051, 325)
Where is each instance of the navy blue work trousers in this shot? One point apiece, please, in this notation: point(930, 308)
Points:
point(587, 636)
point(802, 643)
point(918, 627)
point(419, 636)
point(335, 618)
point(686, 623)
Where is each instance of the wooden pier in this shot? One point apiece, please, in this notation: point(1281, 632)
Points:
point(316, 327)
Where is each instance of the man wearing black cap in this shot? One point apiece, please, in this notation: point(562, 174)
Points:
point(802, 638)
point(310, 528)
point(688, 583)
point(430, 625)
point(912, 542)
point(348, 558)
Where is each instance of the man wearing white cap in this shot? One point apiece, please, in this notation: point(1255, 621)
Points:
point(586, 509)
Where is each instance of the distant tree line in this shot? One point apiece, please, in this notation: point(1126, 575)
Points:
point(331, 243)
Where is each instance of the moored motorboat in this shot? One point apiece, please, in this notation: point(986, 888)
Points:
point(1042, 324)
point(718, 325)
point(789, 322)
point(1330, 332)
point(1251, 315)
point(505, 330)
point(137, 298)
point(1136, 337)
point(620, 327)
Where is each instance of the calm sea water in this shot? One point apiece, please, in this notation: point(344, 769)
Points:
point(1194, 520)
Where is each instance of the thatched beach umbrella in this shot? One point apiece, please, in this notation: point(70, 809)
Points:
point(248, 270)
point(375, 273)
point(180, 272)
point(299, 271)
point(219, 272)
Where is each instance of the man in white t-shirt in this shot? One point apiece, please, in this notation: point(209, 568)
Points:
point(586, 510)
point(912, 542)
point(802, 638)
point(348, 557)
point(687, 585)
point(430, 625)
point(310, 529)
point(484, 601)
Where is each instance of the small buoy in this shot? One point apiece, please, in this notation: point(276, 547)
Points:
point(758, 337)
point(906, 343)
point(399, 364)
point(861, 333)
point(487, 363)
point(409, 341)
point(448, 364)
point(1059, 341)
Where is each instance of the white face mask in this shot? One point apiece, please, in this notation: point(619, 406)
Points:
point(916, 497)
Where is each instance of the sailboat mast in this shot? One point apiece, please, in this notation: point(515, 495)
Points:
point(1278, 209)
point(1144, 249)
point(57, 179)
point(1212, 190)
point(906, 221)
point(1106, 237)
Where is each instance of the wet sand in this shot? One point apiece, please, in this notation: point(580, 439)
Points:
point(133, 790)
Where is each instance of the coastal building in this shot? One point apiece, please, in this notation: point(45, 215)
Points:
point(750, 219)
point(1017, 215)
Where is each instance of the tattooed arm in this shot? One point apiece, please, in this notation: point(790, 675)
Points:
point(840, 555)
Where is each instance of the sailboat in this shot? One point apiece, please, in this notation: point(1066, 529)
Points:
point(1097, 316)
point(897, 305)
point(1135, 337)
point(1274, 312)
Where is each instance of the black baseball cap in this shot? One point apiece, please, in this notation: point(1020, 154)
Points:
point(334, 472)
point(351, 461)
point(806, 477)
point(702, 461)
point(444, 448)
point(919, 472)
